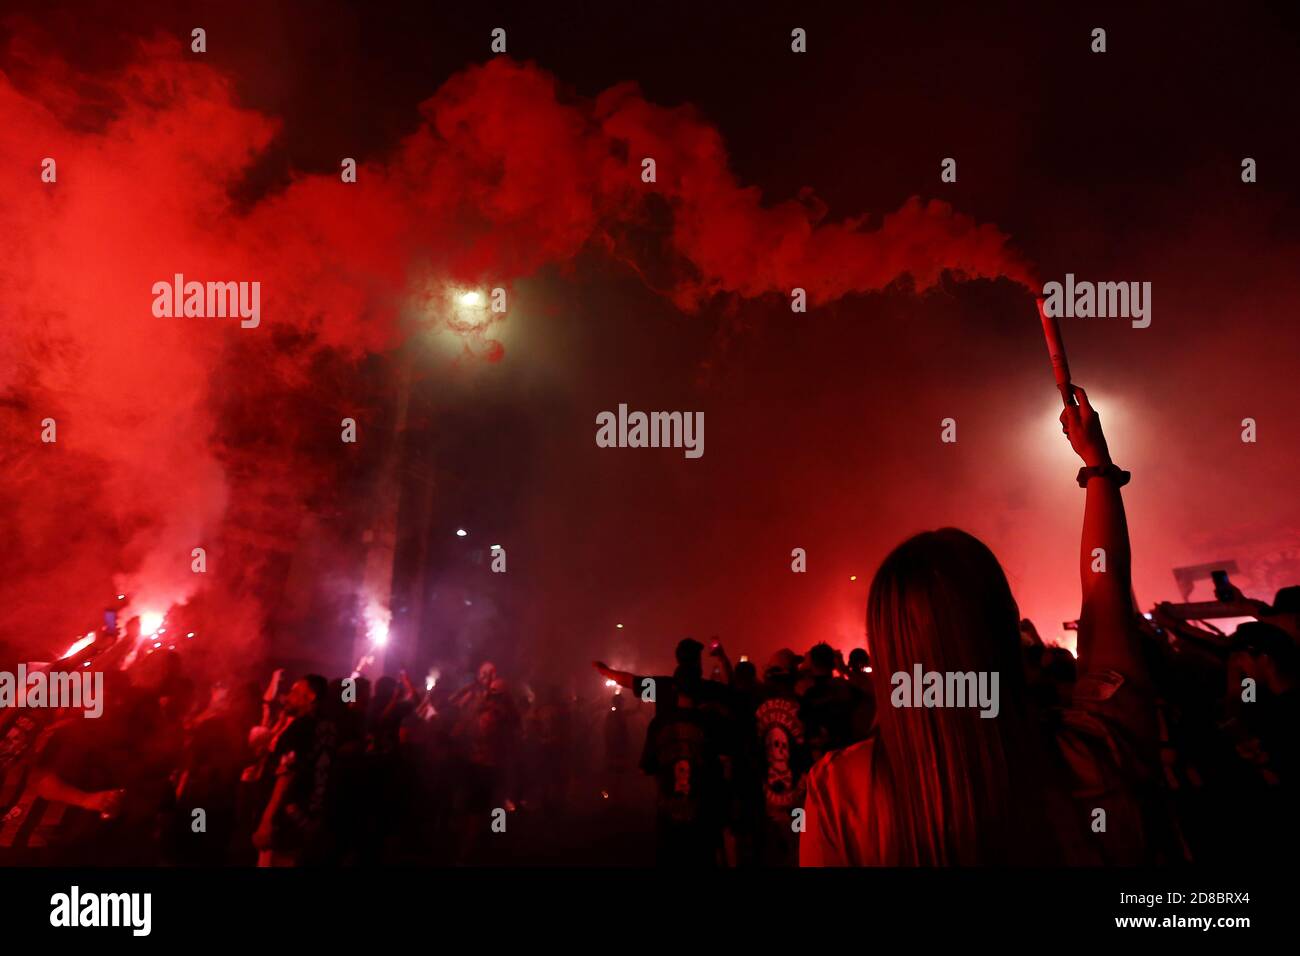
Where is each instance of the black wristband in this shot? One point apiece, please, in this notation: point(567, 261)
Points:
point(1112, 471)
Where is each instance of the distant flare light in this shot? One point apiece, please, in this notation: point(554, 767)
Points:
point(461, 532)
point(81, 643)
point(150, 621)
point(377, 621)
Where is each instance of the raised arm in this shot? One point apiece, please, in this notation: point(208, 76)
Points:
point(622, 678)
point(724, 662)
point(272, 692)
point(1108, 639)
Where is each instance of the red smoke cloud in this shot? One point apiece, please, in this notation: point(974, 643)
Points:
point(508, 173)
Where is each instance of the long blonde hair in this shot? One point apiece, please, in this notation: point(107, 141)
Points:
point(949, 786)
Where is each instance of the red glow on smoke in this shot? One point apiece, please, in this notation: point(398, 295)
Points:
point(503, 177)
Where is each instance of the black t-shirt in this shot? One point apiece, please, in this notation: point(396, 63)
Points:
point(293, 756)
point(683, 752)
point(783, 757)
point(828, 709)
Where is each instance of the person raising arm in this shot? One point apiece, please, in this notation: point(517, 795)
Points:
point(1108, 641)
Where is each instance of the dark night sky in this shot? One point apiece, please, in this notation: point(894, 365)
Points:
point(822, 430)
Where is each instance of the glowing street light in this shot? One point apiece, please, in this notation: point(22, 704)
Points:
point(461, 532)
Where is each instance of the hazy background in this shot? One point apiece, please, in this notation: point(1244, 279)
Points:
point(821, 430)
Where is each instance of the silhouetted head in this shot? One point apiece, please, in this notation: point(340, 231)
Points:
point(1286, 611)
point(1287, 600)
point(783, 666)
point(1266, 654)
point(689, 651)
point(745, 676)
point(305, 695)
point(384, 691)
point(821, 660)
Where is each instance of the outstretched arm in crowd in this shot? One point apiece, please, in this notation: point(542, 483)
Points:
point(51, 786)
point(622, 678)
point(268, 699)
point(1108, 640)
